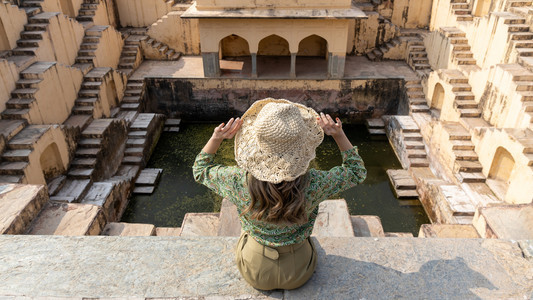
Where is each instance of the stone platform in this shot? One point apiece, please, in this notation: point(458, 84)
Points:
point(203, 268)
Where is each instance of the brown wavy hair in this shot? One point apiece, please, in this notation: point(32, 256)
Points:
point(282, 202)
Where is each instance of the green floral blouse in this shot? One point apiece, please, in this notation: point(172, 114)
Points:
point(231, 183)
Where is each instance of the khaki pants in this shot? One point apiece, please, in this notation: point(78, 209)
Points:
point(268, 268)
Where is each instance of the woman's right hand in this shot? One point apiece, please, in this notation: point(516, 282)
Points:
point(329, 126)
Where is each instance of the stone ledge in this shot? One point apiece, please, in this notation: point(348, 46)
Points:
point(141, 267)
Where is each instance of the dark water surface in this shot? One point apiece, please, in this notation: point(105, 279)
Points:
point(178, 193)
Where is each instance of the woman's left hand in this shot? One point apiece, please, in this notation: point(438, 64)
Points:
point(227, 131)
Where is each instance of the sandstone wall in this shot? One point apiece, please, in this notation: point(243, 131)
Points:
point(218, 99)
point(411, 13)
point(8, 77)
point(111, 92)
point(109, 48)
point(55, 95)
point(61, 41)
point(141, 13)
point(179, 34)
point(12, 21)
point(106, 14)
point(367, 34)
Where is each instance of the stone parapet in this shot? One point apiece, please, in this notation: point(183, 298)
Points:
point(348, 268)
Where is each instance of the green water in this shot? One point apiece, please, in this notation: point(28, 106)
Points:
point(178, 193)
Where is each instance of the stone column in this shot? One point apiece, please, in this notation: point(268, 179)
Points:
point(211, 64)
point(293, 65)
point(336, 65)
point(254, 65)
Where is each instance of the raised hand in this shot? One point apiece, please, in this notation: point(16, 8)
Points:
point(227, 131)
point(329, 126)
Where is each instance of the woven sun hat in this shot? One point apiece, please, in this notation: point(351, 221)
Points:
point(277, 140)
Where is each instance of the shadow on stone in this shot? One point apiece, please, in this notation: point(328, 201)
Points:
point(339, 277)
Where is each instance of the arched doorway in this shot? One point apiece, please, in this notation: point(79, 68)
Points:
point(438, 97)
point(234, 56)
point(51, 163)
point(502, 165)
point(273, 57)
point(312, 57)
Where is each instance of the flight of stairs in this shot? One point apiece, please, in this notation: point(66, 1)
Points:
point(466, 166)
point(416, 96)
point(133, 95)
point(18, 107)
point(461, 10)
point(461, 54)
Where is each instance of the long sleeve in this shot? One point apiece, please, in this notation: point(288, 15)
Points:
point(340, 178)
point(222, 180)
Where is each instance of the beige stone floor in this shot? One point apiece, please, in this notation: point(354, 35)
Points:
point(357, 67)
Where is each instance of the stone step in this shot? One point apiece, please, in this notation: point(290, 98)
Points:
point(469, 113)
point(200, 224)
point(73, 190)
point(146, 190)
point(132, 160)
point(28, 83)
point(148, 177)
point(11, 178)
point(401, 179)
point(25, 51)
point(68, 219)
point(418, 108)
point(464, 96)
point(130, 106)
point(87, 152)
point(399, 234)
point(168, 231)
point(470, 177)
point(407, 194)
point(137, 134)
point(82, 110)
point(134, 151)
point(90, 143)
point(131, 99)
point(19, 103)
point(467, 166)
point(462, 145)
point(414, 145)
point(465, 155)
point(333, 220)
point(367, 226)
point(128, 229)
point(20, 205)
point(23, 93)
point(412, 136)
point(88, 102)
point(448, 231)
point(29, 43)
point(521, 36)
point(418, 162)
point(465, 104)
point(56, 184)
point(372, 131)
point(416, 153)
point(16, 155)
point(80, 173)
point(84, 162)
point(135, 142)
point(13, 167)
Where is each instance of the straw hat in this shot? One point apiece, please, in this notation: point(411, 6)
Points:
point(277, 140)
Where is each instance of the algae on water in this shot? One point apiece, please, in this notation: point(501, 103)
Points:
point(178, 193)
